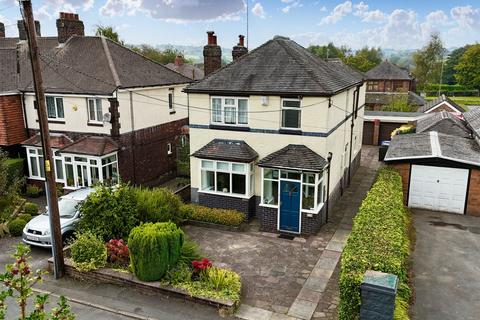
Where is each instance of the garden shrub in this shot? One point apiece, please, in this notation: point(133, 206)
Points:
point(25, 217)
point(15, 168)
point(88, 252)
point(190, 252)
point(226, 217)
point(33, 191)
point(15, 227)
point(379, 241)
point(109, 212)
point(154, 249)
point(31, 208)
point(181, 273)
point(117, 253)
point(159, 205)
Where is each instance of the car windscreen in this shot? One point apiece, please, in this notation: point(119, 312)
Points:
point(67, 208)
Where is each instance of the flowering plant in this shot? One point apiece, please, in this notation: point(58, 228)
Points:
point(117, 252)
point(201, 265)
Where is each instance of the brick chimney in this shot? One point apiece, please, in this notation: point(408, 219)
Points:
point(239, 50)
point(69, 25)
point(22, 31)
point(178, 60)
point(2, 30)
point(212, 54)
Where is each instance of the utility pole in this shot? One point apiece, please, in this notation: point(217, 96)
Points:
point(51, 190)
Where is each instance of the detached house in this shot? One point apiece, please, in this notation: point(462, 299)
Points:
point(112, 113)
point(275, 134)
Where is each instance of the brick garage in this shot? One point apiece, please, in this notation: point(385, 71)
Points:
point(472, 205)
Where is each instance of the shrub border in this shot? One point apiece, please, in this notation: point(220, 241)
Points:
point(240, 228)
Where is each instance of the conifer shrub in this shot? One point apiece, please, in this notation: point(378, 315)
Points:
point(154, 249)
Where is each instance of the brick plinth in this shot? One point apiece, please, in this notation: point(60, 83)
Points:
point(473, 200)
point(246, 206)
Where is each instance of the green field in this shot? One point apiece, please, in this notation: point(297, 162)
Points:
point(463, 101)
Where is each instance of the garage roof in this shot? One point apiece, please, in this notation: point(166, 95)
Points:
point(433, 145)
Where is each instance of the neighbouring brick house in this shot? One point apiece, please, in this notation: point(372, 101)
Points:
point(275, 134)
point(442, 103)
point(112, 112)
point(440, 163)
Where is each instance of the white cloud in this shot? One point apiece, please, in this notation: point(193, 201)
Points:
point(258, 10)
point(176, 10)
point(323, 9)
point(338, 13)
point(466, 16)
point(361, 10)
point(290, 5)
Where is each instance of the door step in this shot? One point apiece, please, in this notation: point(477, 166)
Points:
point(286, 236)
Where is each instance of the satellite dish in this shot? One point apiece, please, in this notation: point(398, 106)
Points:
point(107, 117)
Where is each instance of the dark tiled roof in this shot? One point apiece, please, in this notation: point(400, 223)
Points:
point(472, 117)
point(387, 98)
point(433, 145)
point(188, 70)
point(294, 156)
point(388, 71)
point(57, 141)
point(92, 145)
point(92, 65)
point(280, 66)
point(8, 70)
point(432, 104)
point(443, 122)
point(230, 150)
point(380, 113)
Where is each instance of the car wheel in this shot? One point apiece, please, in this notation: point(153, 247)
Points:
point(67, 238)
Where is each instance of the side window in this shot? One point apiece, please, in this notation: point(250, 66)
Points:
point(171, 104)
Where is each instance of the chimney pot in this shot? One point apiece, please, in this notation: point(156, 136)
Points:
point(210, 37)
point(241, 41)
point(2, 30)
point(239, 50)
point(214, 40)
point(178, 60)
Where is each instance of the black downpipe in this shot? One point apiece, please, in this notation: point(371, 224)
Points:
point(354, 115)
point(25, 115)
point(329, 159)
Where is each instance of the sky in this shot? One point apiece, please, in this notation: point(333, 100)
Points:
point(404, 24)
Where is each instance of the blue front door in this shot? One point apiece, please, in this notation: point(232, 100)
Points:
point(290, 206)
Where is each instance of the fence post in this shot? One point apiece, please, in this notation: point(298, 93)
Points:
point(378, 291)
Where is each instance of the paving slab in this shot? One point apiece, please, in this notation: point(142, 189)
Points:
point(247, 312)
point(302, 309)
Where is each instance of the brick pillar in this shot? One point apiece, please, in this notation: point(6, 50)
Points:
point(239, 50)
point(212, 54)
point(376, 131)
point(68, 25)
point(114, 117)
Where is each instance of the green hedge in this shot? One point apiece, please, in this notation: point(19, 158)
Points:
point(379, 241)
point(154, 249)
point(15, 227)
point(226, 217)
point(159, 205)
point(15, 168)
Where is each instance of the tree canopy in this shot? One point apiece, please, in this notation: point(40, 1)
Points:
point(468, 70)
point(108, 32)
point(428, 61)
point(451, 63)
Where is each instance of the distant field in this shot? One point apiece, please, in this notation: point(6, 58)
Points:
point(463, 101)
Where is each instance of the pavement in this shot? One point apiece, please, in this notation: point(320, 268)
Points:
point(446, 266)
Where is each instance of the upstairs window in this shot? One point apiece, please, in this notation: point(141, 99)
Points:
point(171, 104)
point(372, 86)
point(95, 112)
point(230, 111)
point(291, 114)
point(55, 108)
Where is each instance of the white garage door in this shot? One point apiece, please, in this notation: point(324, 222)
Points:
point(438, 188)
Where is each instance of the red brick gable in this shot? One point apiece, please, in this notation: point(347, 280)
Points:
point(12, 126)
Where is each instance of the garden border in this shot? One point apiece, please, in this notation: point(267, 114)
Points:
point(112, 276)
point(240, 228)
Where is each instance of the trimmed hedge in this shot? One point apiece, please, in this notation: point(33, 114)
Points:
point(15, 227)
point(88, 252)
point(25, 217)
point(14, 168)
point(158, 205)
point(31, 208)
point(154, 249)
point(225, 217)
point(379, 241)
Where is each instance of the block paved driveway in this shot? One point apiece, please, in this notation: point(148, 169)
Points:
point(446, 266)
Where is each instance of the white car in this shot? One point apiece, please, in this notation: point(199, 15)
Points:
point(37, 231)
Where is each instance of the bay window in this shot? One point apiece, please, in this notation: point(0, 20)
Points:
point(291, 113)
point(229, 110)
point(55, 108)
point(228, 178)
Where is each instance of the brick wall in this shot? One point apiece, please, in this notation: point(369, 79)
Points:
point(268, 218)
point(12, 126)
point(404, 170)
point(246, 206)
point(473, 200)
point(443, 107)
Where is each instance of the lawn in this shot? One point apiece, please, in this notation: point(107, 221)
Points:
point(463, 101)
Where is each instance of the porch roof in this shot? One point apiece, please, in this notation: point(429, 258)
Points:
point(57, 141)
point(92, 145)
point(229, 150)
point(294, 156)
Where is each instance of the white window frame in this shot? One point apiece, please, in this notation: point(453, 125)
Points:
point(96, 107)
point(248, 173)
point(55, 101)
point(171, 100)
point(318, 185)
point(299, 109)
point(169, 148)
point(235, 106)
point(36, 154)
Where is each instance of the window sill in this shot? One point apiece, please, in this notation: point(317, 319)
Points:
point(95, 124)
point(314, 211)
point(231, 195)
point(290, 131)
point(229, 127)
point(173, 112)
point(273, 206)
point(36, 178)
point(54, 121)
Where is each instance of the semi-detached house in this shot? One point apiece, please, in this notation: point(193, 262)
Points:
point(275, 134)
point(112, 112)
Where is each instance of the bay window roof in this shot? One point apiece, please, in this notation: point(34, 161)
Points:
point(294, 156)
point(57, 141)
point(92, 145)
point(229, 150)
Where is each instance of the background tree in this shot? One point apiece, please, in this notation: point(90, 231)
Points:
point(451, 63)
point(108, 32)
point(329, 51)
point(166, 56)
point(365, 58)
point(428, 61)
point(468, 68)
